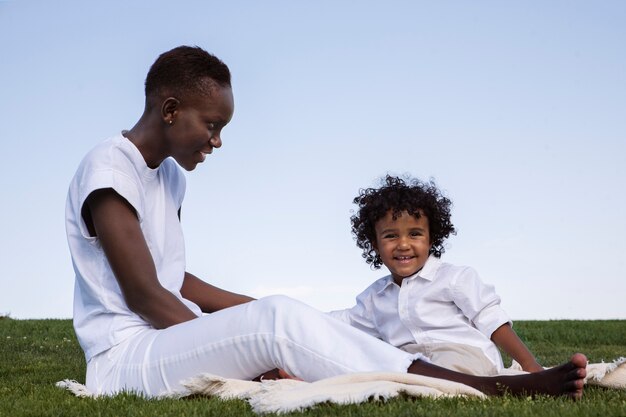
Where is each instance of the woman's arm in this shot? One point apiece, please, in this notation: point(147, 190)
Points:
point(115, 223)
point(209, 297)
point(506, 338)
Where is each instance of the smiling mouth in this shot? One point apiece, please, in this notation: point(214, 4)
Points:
point(403, 258)
point(204, 154)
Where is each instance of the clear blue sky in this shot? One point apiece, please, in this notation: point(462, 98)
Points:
point(516, 108)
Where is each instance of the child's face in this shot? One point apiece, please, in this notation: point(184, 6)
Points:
point(197, 126)
point(403, 244)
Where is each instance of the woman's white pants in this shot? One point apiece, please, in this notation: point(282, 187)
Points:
point(242, 342)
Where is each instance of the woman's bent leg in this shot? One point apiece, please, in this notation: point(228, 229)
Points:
point(243, 342)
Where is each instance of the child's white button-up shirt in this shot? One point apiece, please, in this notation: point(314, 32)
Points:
point(440, 303)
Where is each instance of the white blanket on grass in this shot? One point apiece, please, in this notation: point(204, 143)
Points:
point(286, 395)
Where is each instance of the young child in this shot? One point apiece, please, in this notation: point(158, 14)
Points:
point(138, 313)
point(440, 310)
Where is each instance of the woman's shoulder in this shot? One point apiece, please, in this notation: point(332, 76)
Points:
point(109, 153)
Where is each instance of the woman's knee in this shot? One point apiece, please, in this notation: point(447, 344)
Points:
point(283, 309)
point(277, 303)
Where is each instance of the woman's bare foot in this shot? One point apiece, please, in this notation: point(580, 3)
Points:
point(275, 374)
point(566, 379)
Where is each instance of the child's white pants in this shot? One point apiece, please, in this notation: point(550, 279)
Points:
point(242, 342)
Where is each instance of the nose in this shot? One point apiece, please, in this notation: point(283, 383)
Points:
point(216, 141)
point(403, 243)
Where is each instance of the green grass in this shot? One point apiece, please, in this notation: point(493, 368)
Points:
point(34, 354)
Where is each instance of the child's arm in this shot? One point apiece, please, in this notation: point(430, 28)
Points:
point(480, 303)
point(209, 297)
point(362, 315)
point(117, 227)
point(506, 338)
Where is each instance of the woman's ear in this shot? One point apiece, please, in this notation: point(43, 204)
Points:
point(169, 110)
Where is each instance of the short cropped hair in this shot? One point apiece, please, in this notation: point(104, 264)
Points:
point(398, 195)
point(184, 70)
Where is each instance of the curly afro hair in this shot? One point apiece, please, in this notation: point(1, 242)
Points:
point(398, 195)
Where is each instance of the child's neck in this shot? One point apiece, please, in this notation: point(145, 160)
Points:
point(398, 279)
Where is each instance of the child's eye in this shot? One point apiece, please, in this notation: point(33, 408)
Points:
point(389, 236)
point(211, 126)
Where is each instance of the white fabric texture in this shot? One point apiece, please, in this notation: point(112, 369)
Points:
point(441, 303)
point(242, 342)
point(286, 395)
point(101, 317)
point(461, 358)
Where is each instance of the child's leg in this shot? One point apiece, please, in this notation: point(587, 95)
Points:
point(455, 356)
point(567, 379)
point(243, 342)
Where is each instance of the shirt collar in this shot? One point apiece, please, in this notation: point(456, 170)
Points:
point(428, 272)
point(387, 282)
point(149, 174)
point(430, 268)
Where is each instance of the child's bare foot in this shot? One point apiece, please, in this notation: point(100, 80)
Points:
point(566, 379)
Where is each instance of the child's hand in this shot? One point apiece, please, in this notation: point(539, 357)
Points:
point(533, 367)
point(275, 374)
